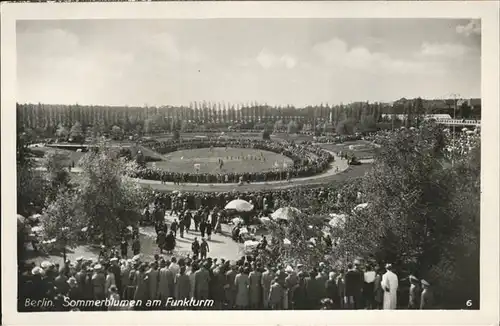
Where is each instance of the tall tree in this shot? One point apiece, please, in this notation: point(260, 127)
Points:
point(116, 133)
point(292, 127)
point(56, 164)
point(30, 184)
point(76, 132)
point(110, 200)
point(61, 132)
point(63, 220)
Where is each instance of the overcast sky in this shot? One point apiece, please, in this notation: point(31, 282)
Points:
point(276, 61)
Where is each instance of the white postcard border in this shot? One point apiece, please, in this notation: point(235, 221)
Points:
point(487, 11)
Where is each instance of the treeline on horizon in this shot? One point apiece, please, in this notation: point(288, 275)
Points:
point(47, 119)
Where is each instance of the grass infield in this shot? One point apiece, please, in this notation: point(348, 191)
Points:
point(235, 160)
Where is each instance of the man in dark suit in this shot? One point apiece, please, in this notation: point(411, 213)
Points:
point(201, 282)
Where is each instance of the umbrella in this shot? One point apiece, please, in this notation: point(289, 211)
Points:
point(250, 245)
point(285, 213)
point(337, 220)
point(46, 264)
point(464, 129)
point(239, 205)
point(175, 191)
point(265, 220)
point(49, 241)
point(287, 242)
point(20, 219)
point(35, 217)
point(85, 229)
point(137, 257)
point(237, 220)
point(243, 231)
point(37, 228)
point(360, 207)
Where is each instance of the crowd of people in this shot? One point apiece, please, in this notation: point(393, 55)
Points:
point(462, 143)
point(247, 283)
point(263, 200)
point(307, 161)
point(336, 139)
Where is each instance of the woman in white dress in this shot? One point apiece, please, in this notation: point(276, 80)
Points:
point(390, 286)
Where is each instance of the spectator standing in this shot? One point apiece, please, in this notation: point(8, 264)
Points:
point(378, 292)
point(390, 286)
point(242, 283)
point(136, 246)
point(195, 248)
point(204, 249)
point(332, 290)
point(182, 284)
point(414, 295)
point(201, 282)
point(426, 298)
point(368, 288)
point(174, 267)
point(170, 242)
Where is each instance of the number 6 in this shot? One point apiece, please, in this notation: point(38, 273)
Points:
point(468, 303)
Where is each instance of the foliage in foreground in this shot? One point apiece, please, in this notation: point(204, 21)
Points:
point(102, 201)
point(423, 214)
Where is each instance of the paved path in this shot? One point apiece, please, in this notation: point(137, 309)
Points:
point(220, 246)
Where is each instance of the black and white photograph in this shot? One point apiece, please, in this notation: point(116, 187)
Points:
point(250, 164)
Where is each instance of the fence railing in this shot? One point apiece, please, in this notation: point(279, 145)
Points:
point(458, 122)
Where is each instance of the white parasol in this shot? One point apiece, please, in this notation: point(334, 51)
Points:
point(137, 257)
point(285, 213)
point(49, 241)
point(287, 242)
point(20, 219)
point(265, 220)
point(250, 245)
point(337, 220)
point(239, 205)
point(237, 220)
point(37, 228)
point(35, 217)
point(360, 207)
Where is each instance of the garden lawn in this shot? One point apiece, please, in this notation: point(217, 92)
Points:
point(236, 160)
